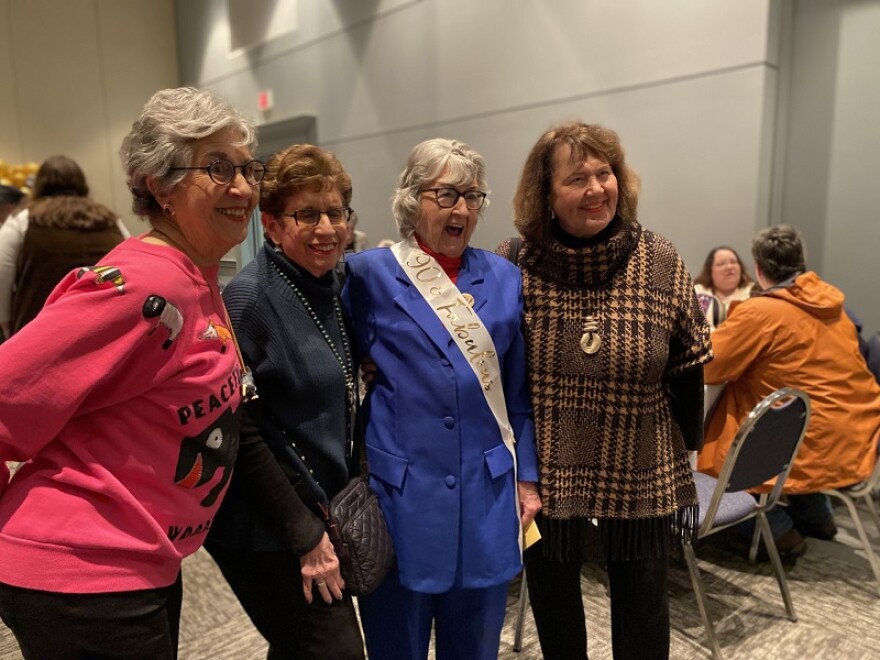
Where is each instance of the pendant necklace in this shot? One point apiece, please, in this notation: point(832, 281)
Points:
point(248, 385)
point(347, 362)
point(591, 340)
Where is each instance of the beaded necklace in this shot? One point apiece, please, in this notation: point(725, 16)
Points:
point(347, 364)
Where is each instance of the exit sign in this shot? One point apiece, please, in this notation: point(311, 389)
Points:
point(265, 100)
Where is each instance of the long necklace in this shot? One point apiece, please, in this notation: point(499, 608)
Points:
point(248, 385)
point(347, 363)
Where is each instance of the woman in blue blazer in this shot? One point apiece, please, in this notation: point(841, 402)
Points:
point(456, 481)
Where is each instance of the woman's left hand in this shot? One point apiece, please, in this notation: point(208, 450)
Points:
point(529, 501)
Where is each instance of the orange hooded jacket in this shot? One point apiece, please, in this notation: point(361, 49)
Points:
point(798, 336)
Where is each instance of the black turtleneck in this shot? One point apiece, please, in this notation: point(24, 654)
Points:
point(575, 242)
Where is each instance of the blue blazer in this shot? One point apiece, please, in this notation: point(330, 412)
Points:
point(436, 457)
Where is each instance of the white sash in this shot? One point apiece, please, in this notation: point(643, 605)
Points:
point(467, 330)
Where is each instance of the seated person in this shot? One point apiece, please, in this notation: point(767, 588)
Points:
point(796, 334)
point(722, 281)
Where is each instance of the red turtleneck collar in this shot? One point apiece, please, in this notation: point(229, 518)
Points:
point(451, 265)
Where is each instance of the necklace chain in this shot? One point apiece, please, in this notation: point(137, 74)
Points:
point(347, 363)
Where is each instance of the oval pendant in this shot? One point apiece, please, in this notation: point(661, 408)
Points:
point(590, 342)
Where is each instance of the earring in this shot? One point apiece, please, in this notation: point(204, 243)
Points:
point(552, 214)
point(168, 210)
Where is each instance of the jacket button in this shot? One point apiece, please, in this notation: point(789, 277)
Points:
point(450, 481)
point(448, 422)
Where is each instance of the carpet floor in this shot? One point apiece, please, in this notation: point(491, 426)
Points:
point(832, 588)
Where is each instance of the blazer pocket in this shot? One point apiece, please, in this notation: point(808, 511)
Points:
point(389, 468)
point(498, 461)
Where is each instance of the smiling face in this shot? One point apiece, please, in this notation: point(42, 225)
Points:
point(211, 217)
point(446, 231)
point(583, 195)
point(726, 272)
point(317, 249)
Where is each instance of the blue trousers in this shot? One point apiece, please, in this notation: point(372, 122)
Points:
point(467, 622)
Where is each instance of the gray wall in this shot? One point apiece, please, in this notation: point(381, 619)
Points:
point(831, 182)
point(689, 85)
point(75, 75)
point(737, 114)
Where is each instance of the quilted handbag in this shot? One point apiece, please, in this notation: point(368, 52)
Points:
point(356, 527)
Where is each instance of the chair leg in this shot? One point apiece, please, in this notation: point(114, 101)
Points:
point(863, 536)
point(700, 594)
point(756, 535)
point(521, 613)
point(872, 507)
point(777, 564)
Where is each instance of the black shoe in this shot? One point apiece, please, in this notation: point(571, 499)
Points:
point(825, 530)
point(790, 546)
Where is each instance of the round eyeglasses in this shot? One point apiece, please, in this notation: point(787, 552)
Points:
point(311, 217)
point(222, 171)
point(448, 197)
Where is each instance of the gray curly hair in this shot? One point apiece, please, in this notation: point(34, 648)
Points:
point(427, 161)
point(162, 138)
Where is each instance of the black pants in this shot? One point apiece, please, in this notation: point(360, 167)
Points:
point(269, 587)
point(639, 607)
point(127, 625)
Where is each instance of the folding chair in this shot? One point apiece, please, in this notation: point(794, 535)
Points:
point(763, 449)
point(863, 492)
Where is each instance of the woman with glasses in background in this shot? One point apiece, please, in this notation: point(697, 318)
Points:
point(123, 396)
point(449, 436)
point(269, 539)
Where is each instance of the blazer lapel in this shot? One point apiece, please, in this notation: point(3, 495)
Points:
point(418, 309)
point(471, 278)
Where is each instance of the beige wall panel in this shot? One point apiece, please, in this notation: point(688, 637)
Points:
point(59, 85)
point(10, 136)
point(139, 57)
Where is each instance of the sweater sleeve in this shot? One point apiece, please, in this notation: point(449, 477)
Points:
point(687, 392)
point(690, 344)
point(90, 348)
point(11, 236)
point(267, 486)
point(269, 489)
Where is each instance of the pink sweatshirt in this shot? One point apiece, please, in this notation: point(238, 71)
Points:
point(123, 397)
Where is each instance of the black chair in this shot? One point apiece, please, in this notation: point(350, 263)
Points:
point(763, 450)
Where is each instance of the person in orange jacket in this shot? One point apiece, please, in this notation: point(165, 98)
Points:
point(796, 334)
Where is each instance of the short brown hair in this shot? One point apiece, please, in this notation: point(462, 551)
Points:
point(779, 252)
point(531, 202)
point(301, 167)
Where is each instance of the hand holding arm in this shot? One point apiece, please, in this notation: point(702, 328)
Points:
point(320, 567)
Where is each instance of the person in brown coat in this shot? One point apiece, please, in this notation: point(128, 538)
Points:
point(66, 229)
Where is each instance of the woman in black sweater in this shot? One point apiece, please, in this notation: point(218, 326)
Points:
point(268, 538)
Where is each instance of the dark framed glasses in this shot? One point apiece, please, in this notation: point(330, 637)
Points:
point(311, 217)
point(222, 171)
point(448, 197)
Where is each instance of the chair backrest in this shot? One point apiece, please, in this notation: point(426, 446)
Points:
point(767, 443)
